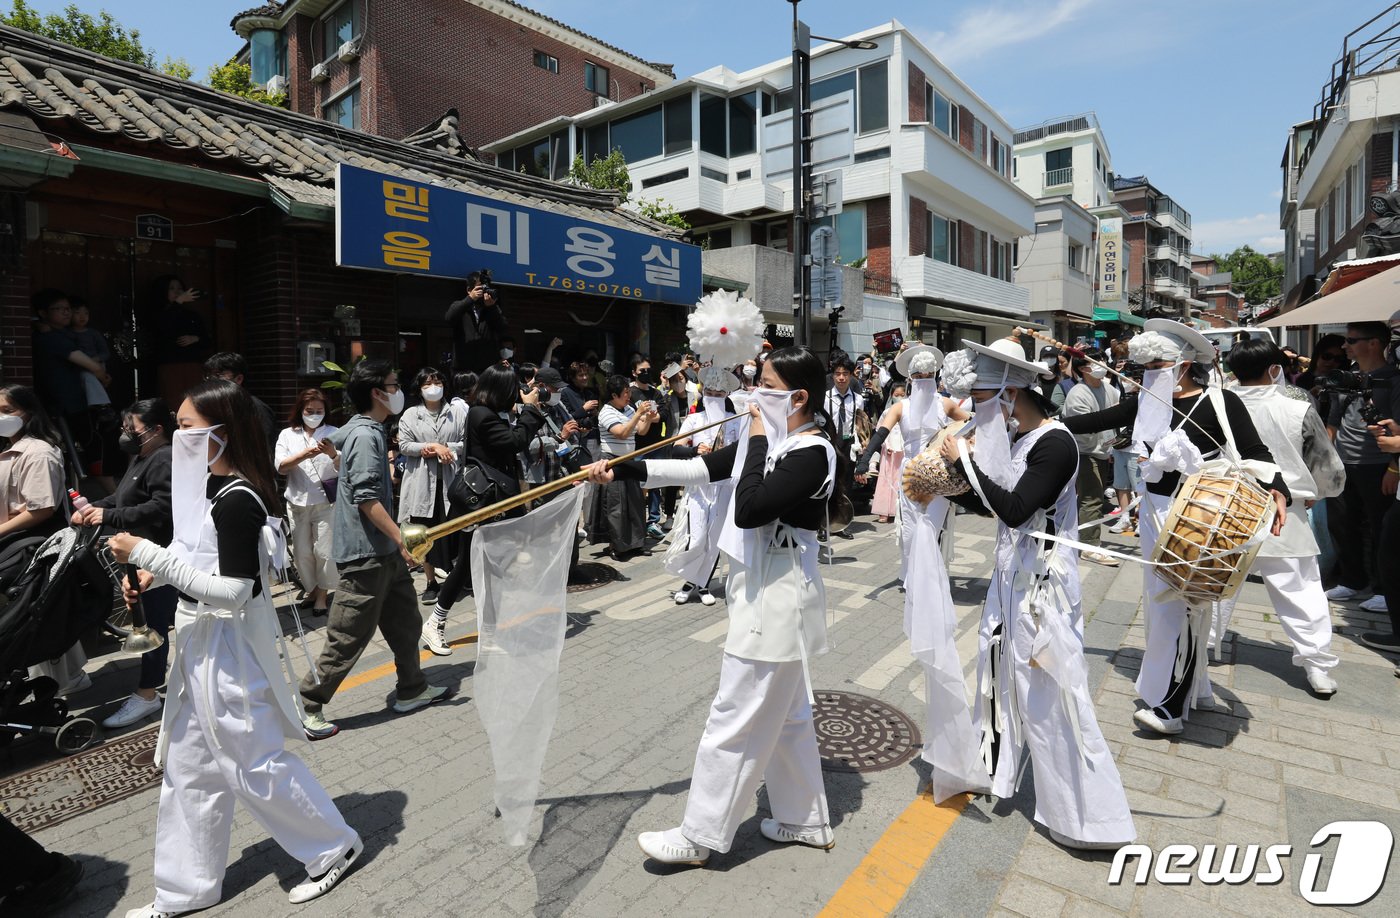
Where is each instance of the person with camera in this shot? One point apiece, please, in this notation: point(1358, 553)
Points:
point(619, 510)
point(1361, 397)
point(477, 324)
point(551, 454)
point(181, 340)
point(645, 390)
point(494, 447)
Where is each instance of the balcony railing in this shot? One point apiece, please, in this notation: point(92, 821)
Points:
point(1369, 48)
point(1063, 125)
point(1063, 176)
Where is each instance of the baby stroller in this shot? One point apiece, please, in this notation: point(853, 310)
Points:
point(50, 594)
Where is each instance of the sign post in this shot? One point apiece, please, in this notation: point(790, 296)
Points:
point(1111, 261)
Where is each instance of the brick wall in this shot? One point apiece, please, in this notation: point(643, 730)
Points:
point(967, 241)
point(1381, 154)
point(918, 227)
point(966, 120)
point(917, 81)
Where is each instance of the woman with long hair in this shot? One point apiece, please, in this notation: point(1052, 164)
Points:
point(308, 458)
point(230, 708)
point(493, 441)
point(431, 440)
point(31, 466)
point(760, 724)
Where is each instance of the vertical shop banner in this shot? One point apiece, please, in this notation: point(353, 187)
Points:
point(390, 223)
point(1112, 263)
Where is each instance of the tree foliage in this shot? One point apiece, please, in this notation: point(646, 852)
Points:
point(100, 34)
point(1255, 275)
point(237, 79)
point(605, 173)
point(177, 67)
point(662, 212)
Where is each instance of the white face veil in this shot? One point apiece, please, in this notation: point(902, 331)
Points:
point(714, 408)
point(189, 478)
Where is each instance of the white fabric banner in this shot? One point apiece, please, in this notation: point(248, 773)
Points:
point(520, 571)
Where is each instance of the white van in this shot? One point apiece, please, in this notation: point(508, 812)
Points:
point(1224, 338)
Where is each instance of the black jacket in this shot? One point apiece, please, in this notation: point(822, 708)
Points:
point(492, 440)
point(476, 334)
point(141, 504)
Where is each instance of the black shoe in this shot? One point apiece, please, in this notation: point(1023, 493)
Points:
point(1382, 641)
point(44, 893)
point(845, 534)
point(430, 593)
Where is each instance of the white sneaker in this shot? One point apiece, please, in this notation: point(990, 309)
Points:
point(707, 598)
point(811, 836)
point(1167, 726)
point(135, 708)
point(150, 911)
point(1341, 593)
point(80, 684)
point(312, 887)
point(671, 847)
point(684, 594)
point(1118, 525)
point(1322, 684)
point(1099, 558)
point(435, 636)
point(1109, 494)
point(1064, 841)
point(1376, 603)
point(424, 698)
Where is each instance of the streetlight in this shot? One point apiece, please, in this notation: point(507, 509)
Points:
point(802, 170)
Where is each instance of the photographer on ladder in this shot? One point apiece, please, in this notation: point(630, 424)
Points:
point(477, 324)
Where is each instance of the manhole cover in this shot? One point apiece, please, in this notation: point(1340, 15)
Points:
point(64, 788)
point(589, 575)
point(860, 733)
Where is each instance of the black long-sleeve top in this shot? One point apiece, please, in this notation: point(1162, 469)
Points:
point(1203, 430)
point(784, 494)
point(573, 400)
point(141, 503)
point(1050, 465)
point(492, 440)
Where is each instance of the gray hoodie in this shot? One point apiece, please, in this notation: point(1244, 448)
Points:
point(364, 476)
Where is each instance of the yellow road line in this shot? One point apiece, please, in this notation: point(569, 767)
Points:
point(385, 669)
point(880, 881)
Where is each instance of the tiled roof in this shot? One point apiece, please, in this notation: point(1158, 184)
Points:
point(266, 11)
point(70, 91)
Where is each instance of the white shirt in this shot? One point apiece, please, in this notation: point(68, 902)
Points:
point(303, 479)
point(608, 418)
point(852, 402)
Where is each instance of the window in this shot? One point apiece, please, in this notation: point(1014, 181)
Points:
point(714, 239)
point(678, 133)
point(1076, 256)
point(714, 174)
point(743, 124)
point(546, 62)
point(532, 158)
point(595, 142)
point(834, 86)
point(873, 106)
point(342, 24)
point(713, 130)
point(1338, 202)
point(998, 160)
point(870, 156)
point(1014, 161)
point(595, 78)
point(1058, 169)
point(979, 140)
point(850, 231)
point(942, 112)
point(637, 136)
point(267, 55)
point(1322, 225)
point(663, 179)
point(778, 235)
point(1357, 174)
point(998, 261)
point(942, 239)
point(979, 251)
point(558, 155)
point(344, 110)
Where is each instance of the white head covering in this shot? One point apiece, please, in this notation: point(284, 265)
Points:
point(1003, 363)
point(921, 354)
point(718, 378)
point(1167, 339)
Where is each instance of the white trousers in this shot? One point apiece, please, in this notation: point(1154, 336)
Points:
point(249, 764)
point(1164, 614)
point(759, 729)
point(1295, 592)
point(311, 546)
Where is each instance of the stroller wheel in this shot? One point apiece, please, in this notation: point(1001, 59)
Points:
point(76, 735)
point(118, 623)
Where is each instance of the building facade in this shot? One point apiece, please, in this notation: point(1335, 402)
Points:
point(1157, 240)
point(929, 211)
point(1224, 308)
point(395, 68)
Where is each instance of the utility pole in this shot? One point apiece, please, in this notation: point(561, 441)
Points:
point(801, 179)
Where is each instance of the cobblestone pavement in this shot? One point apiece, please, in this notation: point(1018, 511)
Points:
point(1269, 764)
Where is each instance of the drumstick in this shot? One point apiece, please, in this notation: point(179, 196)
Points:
point(1140, 387)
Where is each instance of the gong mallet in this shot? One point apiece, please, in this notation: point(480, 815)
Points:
point(141, 639)
point(418, 539)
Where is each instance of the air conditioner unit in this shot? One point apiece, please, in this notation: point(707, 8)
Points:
point(349, 51)
point(277, 85)
point(320, 73)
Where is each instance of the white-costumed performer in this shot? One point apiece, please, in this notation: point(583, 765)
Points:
point(1180, 423)
point(760, 723)
point(1033, 691)
point(229, 706)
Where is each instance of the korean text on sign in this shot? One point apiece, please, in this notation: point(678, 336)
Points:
point(404, 249)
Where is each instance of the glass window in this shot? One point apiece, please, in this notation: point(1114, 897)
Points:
point(678, 132)
point(874, 107)
point(595, 143)
point(263, 54)
point(637, 136)
point(743, 124)
point(546, 62)
point(832, 86)
point(595, 78)
point(712, 125)
point(782, 101)
point(850, 231)
point(944, 115)
point(943, 239)
point(558, 154)
point(344, 111)
point(342, 25)
point(533, 158)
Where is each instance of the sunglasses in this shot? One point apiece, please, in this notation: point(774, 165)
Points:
point(1330, 357)
point(1351, 340)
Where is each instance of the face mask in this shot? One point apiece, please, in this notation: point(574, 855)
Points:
point(130, 442)
point(775, 407)
point(312, 421)
point(1276, 376)
point(10, 424)
point(750, 372)
point(555, 398)
point(507, 353)
point(191, 434)
point(644, 376)
point(992, 444)
point(395, 402)
point(1097, 371)
point(1154, 407)
point(432, 393)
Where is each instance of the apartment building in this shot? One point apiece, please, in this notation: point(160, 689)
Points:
point(1157, 240)
point(929, 211)
point(1224, 308)
point(451, 74)
point(1345, 152)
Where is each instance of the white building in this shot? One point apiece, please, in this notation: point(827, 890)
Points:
point(1064, 156)
point(930, 211)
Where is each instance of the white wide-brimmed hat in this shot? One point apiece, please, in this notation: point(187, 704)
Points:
point(1194, 345)
point(718, 378)
point(906, 357)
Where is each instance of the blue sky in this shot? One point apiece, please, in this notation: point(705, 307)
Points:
point(1196, 94)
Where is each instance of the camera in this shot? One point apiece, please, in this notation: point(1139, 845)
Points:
point(1356, 383)
point(488, 287)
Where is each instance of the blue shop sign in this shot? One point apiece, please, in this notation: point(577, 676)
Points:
point(389, 223)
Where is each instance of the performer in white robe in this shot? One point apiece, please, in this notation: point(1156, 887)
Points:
point(1033, 689)
point(1298, 440)
point(760, 724)
point(694, 552)
point(229, 706)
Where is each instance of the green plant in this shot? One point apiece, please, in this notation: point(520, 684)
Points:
point(606, 173)
point(237, 79)
point(662, 212)
point(100, 34)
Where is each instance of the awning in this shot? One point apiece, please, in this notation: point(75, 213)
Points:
point(1346, 273)
point(926, 310)
point(1103, 314)
point(1371, 300)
